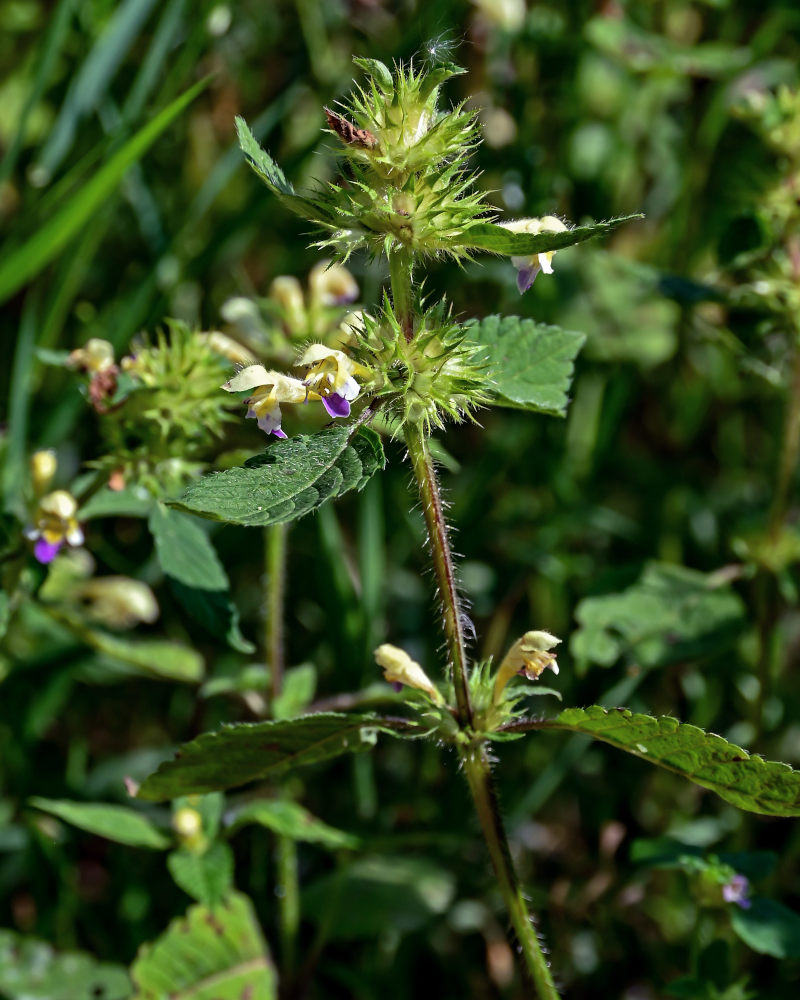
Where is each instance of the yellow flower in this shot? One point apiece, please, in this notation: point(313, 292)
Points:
point(43, 469)
point(54, 525)
point(528, 267)
point(288, 293)
point(331, 285)
point(220, 343)
point(271, 389)
point(118, 601)
point(95, 356)
point(331, 374)
point(528, 657)
point(399, 668)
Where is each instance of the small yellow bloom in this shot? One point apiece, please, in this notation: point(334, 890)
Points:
point(399, 668)
point(331, 374)
point(271, 389)
point(528, 267)
point(288, 293)
point(220, 343)
point(528, 657)
point(43, 469)
point(95, 356)
point(54, 525)
point(331, 285)
point(118, 601)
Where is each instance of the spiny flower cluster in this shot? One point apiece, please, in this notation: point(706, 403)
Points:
point(160, 404)
point(437, 375)
point(407, 186)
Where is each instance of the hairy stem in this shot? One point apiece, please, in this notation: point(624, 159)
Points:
point(286, 875)
point(275, 559)
point(428, 484)
point(473, 756)
point(400, 265)
point(479, 777)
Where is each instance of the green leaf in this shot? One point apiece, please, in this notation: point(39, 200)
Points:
point(497, 239)
point(33, 970)
point(531, 364)
point(394, 894)
point(768, 927)
point(215, 954)
point(198, 578)
point(749, 782)
point(671, 613)
point(20, 265)
point(299, 686)
point(206, 877)
point(291, 478)
point(116, 503)
point(291, 820)
point(158, 657)
point(241, 753)
point(117, 823)
point(275, 179)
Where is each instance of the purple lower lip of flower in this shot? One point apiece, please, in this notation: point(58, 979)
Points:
point(526, 277)
point(45, 551)
point(397, 686)
point(336, 405)
point(736, 891)
point(278, 432)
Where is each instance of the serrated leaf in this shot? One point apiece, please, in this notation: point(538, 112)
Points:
point(289, 819)
point(198, 578)
point(215, 954)
point(749, 782)
point(671, 613)
point(531, 364)
point(117, 823)
point(275, 179)
point(206, 877)
point(32, 970)
point(497, 239)
point(244, 752)
point(116, 503)
point(768, 927)
point(291, 478)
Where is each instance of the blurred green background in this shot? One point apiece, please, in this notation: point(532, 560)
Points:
point(667, 455)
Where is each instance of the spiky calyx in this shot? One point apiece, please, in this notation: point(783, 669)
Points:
point(432, 378)
point(407, 183)
point(167, 409)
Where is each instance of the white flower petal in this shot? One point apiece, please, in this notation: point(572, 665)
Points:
point(249, 378)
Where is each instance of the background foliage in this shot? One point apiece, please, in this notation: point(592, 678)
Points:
point(622, 527)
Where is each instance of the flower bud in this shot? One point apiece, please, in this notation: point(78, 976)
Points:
point(528, 657)
point(188, 824)
point(288, 293)
point(119, 602)
point(399, 668)
point(43, 469)
point(227, 347)
point(331, 285)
